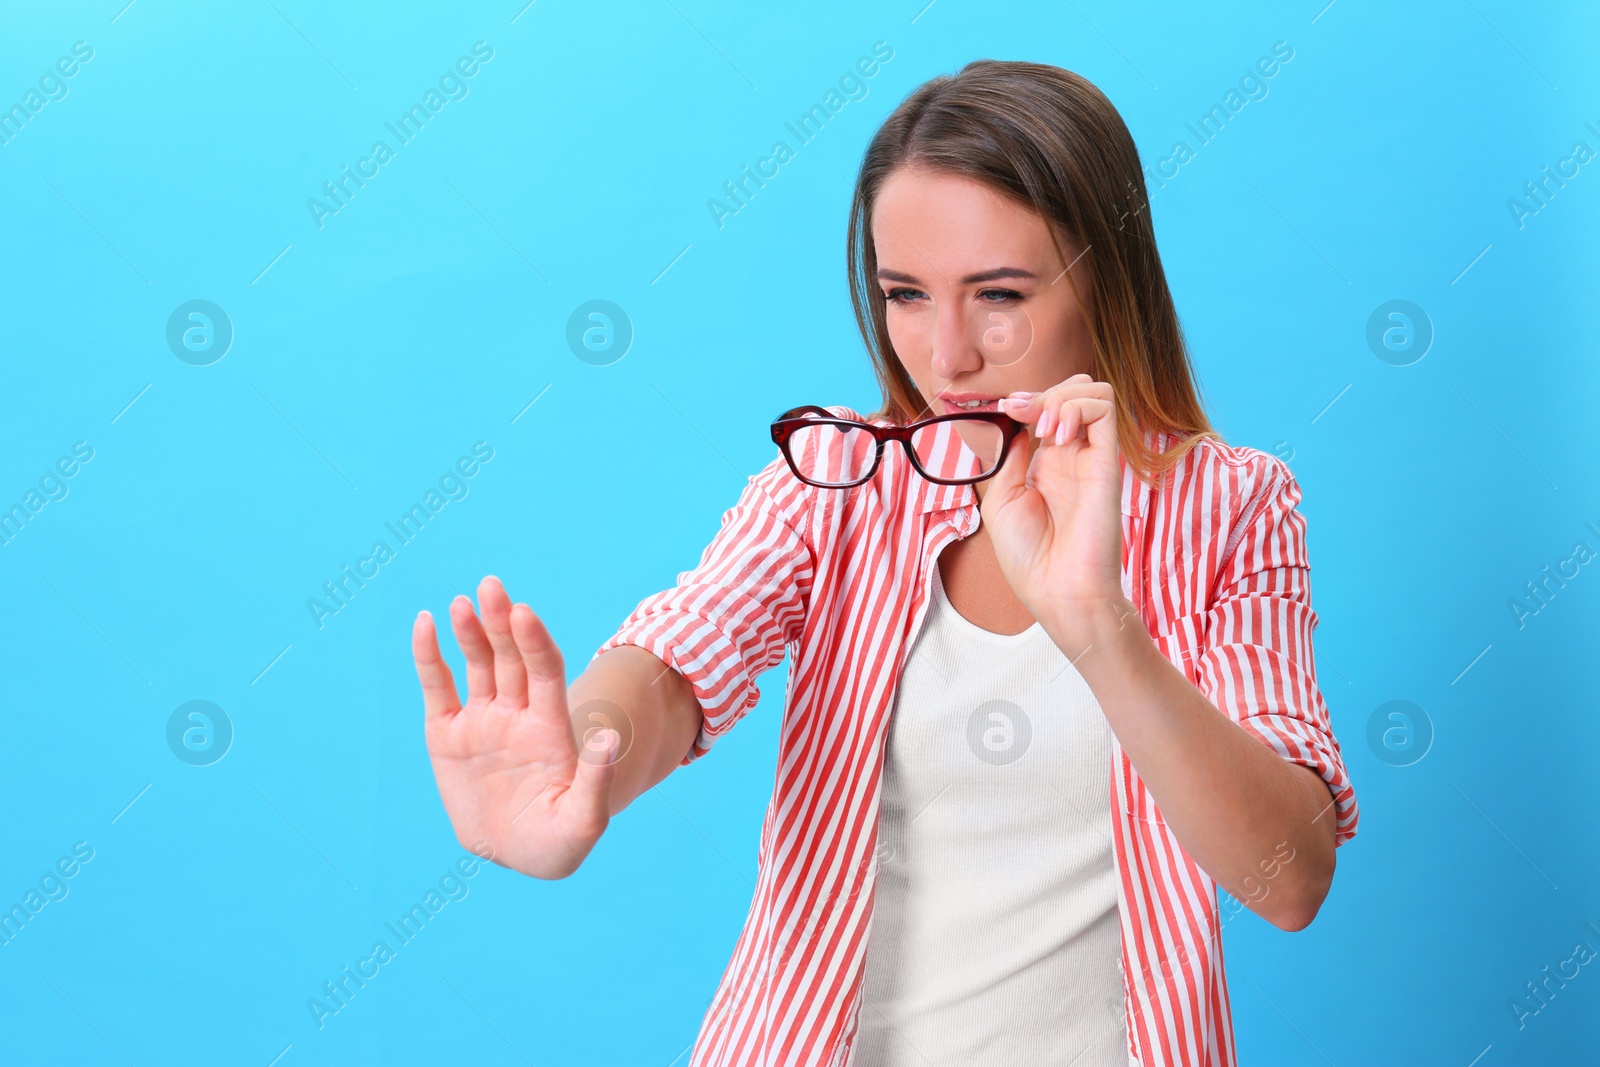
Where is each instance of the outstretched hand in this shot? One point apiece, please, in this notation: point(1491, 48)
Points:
point(510, 771)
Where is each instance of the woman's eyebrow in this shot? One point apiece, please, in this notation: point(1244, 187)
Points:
point(971, 279)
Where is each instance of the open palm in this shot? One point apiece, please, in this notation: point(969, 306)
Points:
point(513, 778)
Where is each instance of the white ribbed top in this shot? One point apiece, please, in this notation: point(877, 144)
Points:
point(994, 936)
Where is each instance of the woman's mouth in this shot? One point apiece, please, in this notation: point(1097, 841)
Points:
point(968, 403)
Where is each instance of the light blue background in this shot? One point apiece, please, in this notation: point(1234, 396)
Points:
point(430, 311)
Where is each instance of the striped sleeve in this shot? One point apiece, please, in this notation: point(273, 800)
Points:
point(1257, 666)
point(730, 618)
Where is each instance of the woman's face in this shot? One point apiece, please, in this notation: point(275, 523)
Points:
point(979, 302)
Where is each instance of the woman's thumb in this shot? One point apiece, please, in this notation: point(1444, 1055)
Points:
point(1012, 476)
point(598, 753)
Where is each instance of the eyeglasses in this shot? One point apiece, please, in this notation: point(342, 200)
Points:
point(833, 453)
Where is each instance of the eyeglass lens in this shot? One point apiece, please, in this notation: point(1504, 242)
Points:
point(832, 454)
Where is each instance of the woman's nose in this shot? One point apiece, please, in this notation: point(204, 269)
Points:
point(954, 353)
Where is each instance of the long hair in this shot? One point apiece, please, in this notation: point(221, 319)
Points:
point(1049, 140)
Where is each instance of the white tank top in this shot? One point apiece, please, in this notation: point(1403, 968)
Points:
point(994, 936)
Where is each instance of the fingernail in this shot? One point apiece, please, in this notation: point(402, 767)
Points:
point(1012, 402)
point(1061, 434)
point(424, 614)
point(1046, 423)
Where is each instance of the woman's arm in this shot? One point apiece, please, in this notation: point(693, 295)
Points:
point(663, 720)
point(1260, 826)
point(524, 779)
point(525, 766)
point(1256, 794)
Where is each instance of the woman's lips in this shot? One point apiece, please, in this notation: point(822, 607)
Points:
point(961, 403)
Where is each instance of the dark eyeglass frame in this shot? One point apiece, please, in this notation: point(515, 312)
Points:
point(785, 425)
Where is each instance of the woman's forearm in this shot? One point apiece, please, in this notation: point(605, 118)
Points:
point(651, 705)
point(1260, 826)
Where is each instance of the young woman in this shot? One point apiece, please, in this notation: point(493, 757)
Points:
point(1051, 667)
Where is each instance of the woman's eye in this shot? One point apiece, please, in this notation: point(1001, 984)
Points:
point(902, 295)
point(999, 296)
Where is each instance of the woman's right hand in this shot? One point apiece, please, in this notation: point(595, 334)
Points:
point(507, 763)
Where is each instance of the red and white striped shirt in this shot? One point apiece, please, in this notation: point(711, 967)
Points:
point(1214, 560)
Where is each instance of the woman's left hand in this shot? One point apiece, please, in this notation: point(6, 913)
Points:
point(1053, 511)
